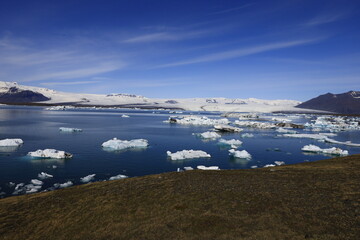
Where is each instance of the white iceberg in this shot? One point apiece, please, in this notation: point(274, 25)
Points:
point(11, 142)
point(36, 182)
point(322, 138)
point(254, 124)
point(88, 178)
point(188, 168)
point(247, 135)
point(240, 154)
point(227, 128)
point(44, 175)
point(269, 165)
point(233, 143)
point(187, 154)
point(283, 130)
point(125, 116)
point(196, 120)
point(202, 167)
point(279, 163)
point(117, 144)
point(331, 151)
point(66, 129)
point(117, 177)
point(63, 185)
point(50, 153)
point(209, 135)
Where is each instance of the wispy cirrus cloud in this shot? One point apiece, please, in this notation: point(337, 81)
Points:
point(241, 52)
point(68, 83)
point(165, 36)
point(324, 19)
point(234, 9)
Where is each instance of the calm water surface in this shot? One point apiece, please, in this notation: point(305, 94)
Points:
point(40, 129)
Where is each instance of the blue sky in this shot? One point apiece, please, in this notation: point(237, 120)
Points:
point(287, 49)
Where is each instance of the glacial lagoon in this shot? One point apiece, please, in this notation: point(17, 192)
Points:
point(39, 129)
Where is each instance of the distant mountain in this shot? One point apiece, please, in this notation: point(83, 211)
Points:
point(345, 103)
point(15, 95)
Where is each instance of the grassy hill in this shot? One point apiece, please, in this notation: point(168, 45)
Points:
point(318, 200)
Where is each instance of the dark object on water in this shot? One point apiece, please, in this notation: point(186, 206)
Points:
point(290, 125)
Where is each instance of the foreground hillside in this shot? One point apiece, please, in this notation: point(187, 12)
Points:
point(318, 200)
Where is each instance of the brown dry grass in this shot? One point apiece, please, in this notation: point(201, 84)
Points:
point(319, 200)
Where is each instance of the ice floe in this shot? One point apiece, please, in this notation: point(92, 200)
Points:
point(88, 178)
point(117, 144)
point(284, 130)
point(321, 138)
point(196, 120)
point(330, 151)
point(50, 153)
point(187, 154)
point(63, 185)
point(202, 167)
point(233, 143)
point(44, 175)
point(21, 188)
point(120, 176)
point(334, 123)
point(209, 135)
point(36, 182)
point(125, 116)
point(67, 129)
point(254, 124)
point(240, 154)
point(11, 142)
point(247, 135)
point(226, 128)
point(279, 163)
point(269, 165)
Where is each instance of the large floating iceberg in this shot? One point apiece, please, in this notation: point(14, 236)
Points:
point(227, 128)
point(233, 143)
point(11, 142)
point(66, 129)
point(240, 154)
point(50, 153)
point(187, 154)
point(117, 144)
point(196, 120)
point(331, 151)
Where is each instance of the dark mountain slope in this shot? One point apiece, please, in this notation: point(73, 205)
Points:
point(16, 95)
point(345, 103)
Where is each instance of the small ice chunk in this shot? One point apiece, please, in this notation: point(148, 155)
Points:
point(331, 151)
point(188, 168)
point(283, 130)
point(279, 163)
point(50, 153)
point(202, 167)
point(11, 184)
point(117, 144)
point(88, 178)
point(209, 135)
point(254, 166)
point(44, 175)
point(63, 185)
point(36, 182)
point(233, 143)
point(269, 165)
point(196, 120)
point(240, 154)
point(247, 135)
point(11, 142)
point(66, 129)
point(227, 128)
point(187, 154)
point(54, 166)
point(125, 116)
point(117, 177)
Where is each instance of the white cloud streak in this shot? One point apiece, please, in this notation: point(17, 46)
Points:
point(165, 36)
point(235, 53)
point(68, 83)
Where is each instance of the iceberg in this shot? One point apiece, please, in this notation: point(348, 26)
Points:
point(330, 151)
point(187, 154)
point(66, 129)
point(196, 120)
point(322, 138)
point(226, 128)
point(50, 153)
point(36, 182)
point(240, 154)
point(254, 124)
point(279, 163)
point(202, 167)
point(117, 177)
point(117, 144)
point(125, 116)
point(233, 143)
point(247, 135)
point(209, 135)
point(11, 142)
point(44, 175)
point(283, 130)
point(88, 178)
point(63, 185)
point(269, 165)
